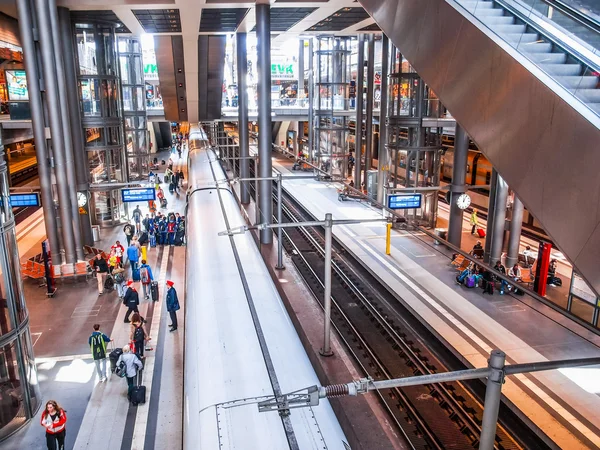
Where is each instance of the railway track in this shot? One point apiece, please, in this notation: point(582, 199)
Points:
point(388, 342)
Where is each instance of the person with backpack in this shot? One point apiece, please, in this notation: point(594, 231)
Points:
point(138, 335)
point(54, 419)
point(133, 255)
point(137, 218)
point(128, 364)
point(97, 342)
point(119, 277)
point(171, 229)
point(129, 231)
point(172, 304)
point(146, 278)
point(131, 299)
point(101, 268)
point(500, 268)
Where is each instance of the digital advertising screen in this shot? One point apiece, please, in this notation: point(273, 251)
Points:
point(16, 82)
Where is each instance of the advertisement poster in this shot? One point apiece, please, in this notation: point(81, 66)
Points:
point(17, 85)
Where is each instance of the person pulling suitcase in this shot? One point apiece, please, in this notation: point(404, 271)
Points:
point(128, 366)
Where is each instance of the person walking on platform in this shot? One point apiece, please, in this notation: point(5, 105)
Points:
point(54, 419)
point(101, 268)
point(133, 255)
point(138, 335)
point(131, 300)
point(97, 342)
point(137, 218)
point(132, 364)
point(146, 278)
point(162, 226)
point(119, 249)
point(172, 304)
point(474, 221)
point(129, 231)
point(119, 277)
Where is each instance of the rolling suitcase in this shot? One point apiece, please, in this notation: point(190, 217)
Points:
point(109, 283)
point(113, 357)
point(138, 395)
point(481, 232)
point(154, 291)
point(152, 240)
point(135, 274)
point(143, 238)
point(178, 238)
point(470, 281)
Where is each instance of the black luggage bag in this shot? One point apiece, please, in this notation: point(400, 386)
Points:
point(109, 283)
point(138, 395)
point(154, 291)
point(143, 240)
point(113, 357)
point(179, 238)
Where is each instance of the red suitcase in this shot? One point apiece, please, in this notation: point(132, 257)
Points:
point(481, 232)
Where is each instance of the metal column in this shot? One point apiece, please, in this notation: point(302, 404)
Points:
point(243, 141)
point(497, 233)
point(311, 101)
point(58, 143)
point(382, 154)
point(300, 91)
point(459, 172)
point(326, 350)
point(79, 153)
point(38, 122)
point(514, 239)
point(358, 128)
point(493, 395)
point(279, 265)
point(370, 92)
point(490, 220)
point(66, 127)
point(263, 35)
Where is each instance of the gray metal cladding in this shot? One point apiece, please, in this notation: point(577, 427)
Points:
point(211, 54)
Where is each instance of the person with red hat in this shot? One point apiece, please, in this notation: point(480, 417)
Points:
point(172, 304)
point(131, 300)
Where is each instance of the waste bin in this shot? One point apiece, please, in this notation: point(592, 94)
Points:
point(96, 232)
point(442, 233)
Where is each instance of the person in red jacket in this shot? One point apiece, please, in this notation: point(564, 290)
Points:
point(54, 419)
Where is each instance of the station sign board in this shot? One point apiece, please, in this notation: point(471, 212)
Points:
point(404, 201)
point(23, 200)
point(138, 195)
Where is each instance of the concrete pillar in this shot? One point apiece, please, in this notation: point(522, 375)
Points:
point(79, 154)
point(490, 221)
point(459, 172)
point(369, 116)
point(38, 122)
point(496, 235)
point(514, 240)
point(244, 142)
point(66, 127)
point(263, 35)
point(311, 101)
point(383, 158)
point(358, 130)
point(58, 141)
point(300, 69)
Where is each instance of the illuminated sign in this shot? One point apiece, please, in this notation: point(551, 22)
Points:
point(282, 71)
point(404, 201)
point(16, 82)
point(22, 200)
point(138, 195)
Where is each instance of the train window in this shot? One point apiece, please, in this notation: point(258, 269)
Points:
point(488, 177)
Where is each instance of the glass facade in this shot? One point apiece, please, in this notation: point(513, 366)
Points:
point(19, 388)
point(331, 105)
point(99, 82)
point(134, 107)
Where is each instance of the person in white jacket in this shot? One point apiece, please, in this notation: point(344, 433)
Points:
point(132, 365)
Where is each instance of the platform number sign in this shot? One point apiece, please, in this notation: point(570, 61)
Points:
point(404, 201)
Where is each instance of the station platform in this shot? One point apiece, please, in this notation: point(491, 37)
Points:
point(564, 405)
point(99, 415)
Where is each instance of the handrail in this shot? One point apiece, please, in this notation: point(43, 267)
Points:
point(574, 14)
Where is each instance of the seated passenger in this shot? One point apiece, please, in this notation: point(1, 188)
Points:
point(478, 246)
point(515, 272)
point(500, 268)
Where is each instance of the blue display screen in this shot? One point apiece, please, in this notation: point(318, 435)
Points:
point(21, 200)
point(404, 201)
point(138, 195)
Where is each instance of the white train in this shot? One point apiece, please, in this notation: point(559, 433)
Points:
point(240, 344)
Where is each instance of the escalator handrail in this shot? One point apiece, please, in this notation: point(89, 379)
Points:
point(578, 16)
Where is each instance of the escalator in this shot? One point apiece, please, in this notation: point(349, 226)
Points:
point(522, 77)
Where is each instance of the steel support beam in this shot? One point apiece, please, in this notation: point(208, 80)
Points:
point(66, 127)
point(79, 154)
point(382, 153)
point(243, 141)
point(458, 187)
point(370, 93)
point(58, 142)
point(497, 233)
point(26, 27)
point(490, 220)
point(311, 101)
point(358, 129)
point(514, 239)
point(263, 36)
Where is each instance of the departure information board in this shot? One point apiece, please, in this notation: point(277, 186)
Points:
point(22, 200)
point(138, 195)
point(404, 201)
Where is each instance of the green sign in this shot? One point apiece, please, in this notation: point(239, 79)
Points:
point(150, 68)
point(282, 71)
